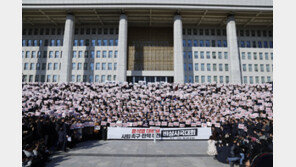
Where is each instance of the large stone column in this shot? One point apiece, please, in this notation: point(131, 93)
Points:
point(66, 67)
point(178, 50)
point(233, 52)
point(122, 49)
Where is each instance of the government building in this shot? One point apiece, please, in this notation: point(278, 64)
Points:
point(181, 41)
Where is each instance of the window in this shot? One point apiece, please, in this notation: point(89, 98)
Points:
point(110, 42)
point(53, 31)
point(201, 32)
point(85, 66)
point(24, 43)
point(87, 42)
point(81, 42)
point(259, 44)
point(250, 68)
point(42, 78)
point(256, 67)
point(104, 54)
point(201, 43)
point(36, 78)
point(59, 42)
point(262, 67)
point(208, 67)
point(226, 67)
point(57, 54)
point(74, 54)
point(80, 54)
point(79, 67)
point(248, 43)
point(189, 55)
point(75, 42)
point(78, 78)
point(214, 55)
point(115, 66)
point(271, 56)
point(249, 56)
point(189, 43)
point(221, 79)
point(27, 54)
point(225, 55)
point(194, 31)
point(245, 79)
point(268, 79)
point(208, 55)
point(255, 55)
point(116, 42)
point(196, 66)
point(270, 44)
point(81, 31)
point(37, 66)
point(243, 55)
point(97, 78)
point(55, 66)
point(215, 79)
point(86, 54)
point(111, 31)
point(264, 33)
point(93, 42)
point(105, 42)
point(35, 42)
point(33, 54)
point(194, 42)
point(184, 43)
point(109, 77)
point(115, 54)
point(260, 56)
point(203, 79)
point(29, 42)
point(52, 42)
point(109, 66)
point(99, 30)
point(266, 56)
point(262, 79)
point(24, 78)
point(207, 32)
point(224, 43)
point(103, 66)
point(47, 31)
point(202, 55)
point(244, 67)
point(23, 54)
point(220, 67)
point(209, 79)
point(98, 54)
point(87, 31)
point(188, 31)
point(190, 67)
point(251, 79)
point(72, 78)
point(197, 79)
point(242, 44)
point(219, 43)
point(43, 66)
point(257, 80)
point(93, 30)
point(97, 66)
point(214, 67)
point(196, 54)
point(92, 54)
point(202, 67)
point(48, 78)
point(105, 31)
point(50, 54)
point(32, 65)
point(99, 42)
point(90, 78)
point(91, 66)
point(110, 54)
point(207, 43)
point(254, 44)
point(73, 66)
point(49, 66)
point(103, 78)
point(265, 44)
point(241, 33)
point(185, 68)
point(213, 43)
point(54, 78)
point(267, 68)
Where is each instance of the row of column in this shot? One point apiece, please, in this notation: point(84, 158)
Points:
point(179, 75)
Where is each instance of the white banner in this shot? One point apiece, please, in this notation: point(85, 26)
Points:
point(161, 133)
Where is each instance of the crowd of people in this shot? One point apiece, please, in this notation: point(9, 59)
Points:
point(56, 116)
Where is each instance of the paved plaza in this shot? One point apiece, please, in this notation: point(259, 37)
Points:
point(117, 153)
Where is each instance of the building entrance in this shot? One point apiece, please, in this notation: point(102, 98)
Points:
point(147, 79)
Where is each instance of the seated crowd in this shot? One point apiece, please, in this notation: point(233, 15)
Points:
point(56, 116)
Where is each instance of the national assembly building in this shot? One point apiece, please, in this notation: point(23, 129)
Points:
point(175, 41)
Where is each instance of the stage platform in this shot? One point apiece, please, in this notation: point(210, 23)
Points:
point(119, 153)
